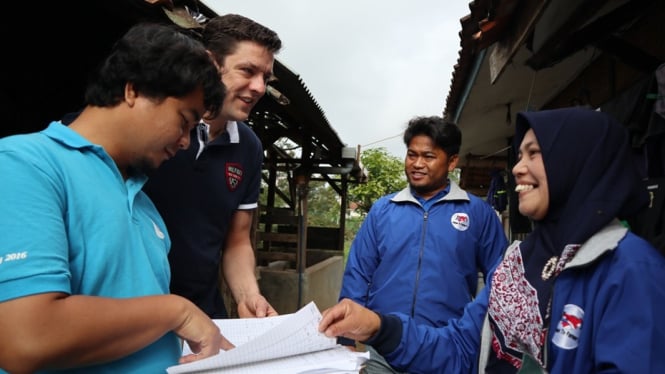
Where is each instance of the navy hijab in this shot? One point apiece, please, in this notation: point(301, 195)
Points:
point(592, 179)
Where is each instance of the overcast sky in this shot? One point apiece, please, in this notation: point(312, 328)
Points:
point(371, 65)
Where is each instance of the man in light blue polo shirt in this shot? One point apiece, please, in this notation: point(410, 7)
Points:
point(84, 274)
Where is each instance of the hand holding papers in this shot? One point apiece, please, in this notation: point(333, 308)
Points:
point(283, 344)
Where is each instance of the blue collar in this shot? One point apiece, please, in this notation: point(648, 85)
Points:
point(427, 203)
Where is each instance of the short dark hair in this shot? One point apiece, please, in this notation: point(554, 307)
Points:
point(160, 61)
point(221, 35)
point(446, 135)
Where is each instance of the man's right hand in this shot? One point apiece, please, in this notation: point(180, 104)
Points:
point(202, 335)
point(350, 320)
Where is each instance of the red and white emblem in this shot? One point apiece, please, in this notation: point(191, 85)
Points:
point(567, 333)
point(460, 221)
point(233, 175)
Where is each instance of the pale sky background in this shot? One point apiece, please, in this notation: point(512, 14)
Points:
point(371, 65)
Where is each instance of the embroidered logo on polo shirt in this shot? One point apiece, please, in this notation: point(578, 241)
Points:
point(460, 221)
point(158, 232)
point(233, 175)
point(567, 333)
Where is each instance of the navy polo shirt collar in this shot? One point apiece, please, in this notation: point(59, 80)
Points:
point(230, 136)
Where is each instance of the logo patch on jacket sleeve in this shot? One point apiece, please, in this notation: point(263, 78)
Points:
point(567, 333)
point(233, 175)
point(460, 221)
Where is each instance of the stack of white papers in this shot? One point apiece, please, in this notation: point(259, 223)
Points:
point(285, 344)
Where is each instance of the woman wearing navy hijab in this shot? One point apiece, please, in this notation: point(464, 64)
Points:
point(581, 293)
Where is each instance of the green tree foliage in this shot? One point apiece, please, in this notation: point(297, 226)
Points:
point(385, 175)
point(352, 227)
point(322, 205)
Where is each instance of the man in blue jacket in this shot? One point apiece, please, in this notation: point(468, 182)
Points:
point(419, 251)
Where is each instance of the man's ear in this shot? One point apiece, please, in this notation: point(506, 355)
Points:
point(214, 61)
point(452, 162)
point(130, 94)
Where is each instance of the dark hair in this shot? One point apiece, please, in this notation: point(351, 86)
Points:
point(160, 61)
point(445, 135)
point(221, 35)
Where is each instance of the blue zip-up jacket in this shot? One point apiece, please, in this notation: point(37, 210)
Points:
point(421, 263)
point(615, 289)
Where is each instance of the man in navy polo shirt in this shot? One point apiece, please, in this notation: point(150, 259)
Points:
point(208, 193)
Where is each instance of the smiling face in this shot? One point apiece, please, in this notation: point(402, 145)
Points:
point(245, 74)
point(427, 166)
point(530, 179)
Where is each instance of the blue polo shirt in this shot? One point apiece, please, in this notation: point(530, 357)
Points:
point(197, 192)
point(70, 223)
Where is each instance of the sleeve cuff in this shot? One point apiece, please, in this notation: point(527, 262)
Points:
point(389, 335)
point(345, 341)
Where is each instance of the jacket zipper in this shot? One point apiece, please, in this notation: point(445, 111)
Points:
point(420, 259)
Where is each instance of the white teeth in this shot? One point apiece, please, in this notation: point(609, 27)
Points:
point(523, 187)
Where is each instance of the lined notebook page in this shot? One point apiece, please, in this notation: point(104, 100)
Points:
point(242, 330)
point(297, 333)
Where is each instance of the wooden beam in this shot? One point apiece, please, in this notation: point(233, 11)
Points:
point(629, 54)
point(505, 48)
point(596, 84)
point(276, 256)
point(570, 38)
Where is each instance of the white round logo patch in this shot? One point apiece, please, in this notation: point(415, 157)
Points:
point(567, 333)
point(460, 221)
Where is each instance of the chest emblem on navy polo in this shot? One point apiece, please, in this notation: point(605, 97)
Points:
point(460, 221)
point(233, 175)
